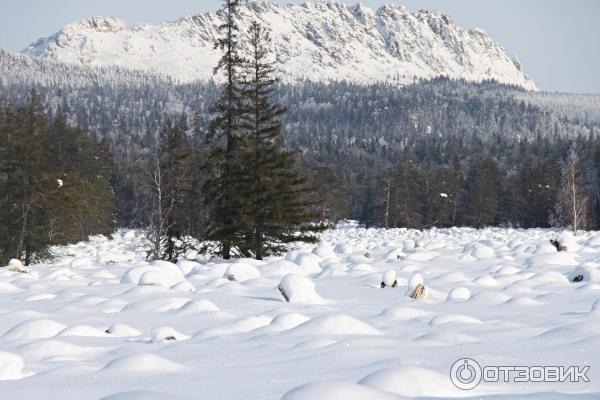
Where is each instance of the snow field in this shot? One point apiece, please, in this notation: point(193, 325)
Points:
point(100, 322)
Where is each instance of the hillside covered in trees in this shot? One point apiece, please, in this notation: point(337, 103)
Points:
point(436, 153)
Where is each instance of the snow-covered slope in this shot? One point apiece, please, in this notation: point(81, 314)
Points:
point(100, 322)
point(316, 40)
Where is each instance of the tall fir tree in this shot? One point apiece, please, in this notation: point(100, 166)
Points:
point(279, 207)
point(223, 187)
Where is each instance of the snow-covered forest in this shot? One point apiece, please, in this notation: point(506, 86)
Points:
point(427, 139)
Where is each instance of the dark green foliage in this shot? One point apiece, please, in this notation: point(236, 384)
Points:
point(442, 189)
point(277, 206)
point(223, 189)
point(54, 183)
point(484, 186)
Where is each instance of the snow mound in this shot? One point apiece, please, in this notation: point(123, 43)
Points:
point(446, 319)
point(279, 268)
point(343, 248)
point(166, 333)
point(82, 330)
point(11, 366)
point(299, 289)
point(123, 330)
point(459, 294)
point(241, 272)
point(52, 349)
point(414, 281)
point(289, 320)
point(389, 278)
point(401, 313)
point(14, 263)
point(567, 239)
point(142, 395)
point(336, 391)
point(157, 305)
point(584, 273)
point(490, 298)
point(549, 277)
point(335, 325)
point(82, 262)
point(143, 363)
point(242, 325)
point(8, 287)
point(159, 273)
point(524, 301)
point(309, 263)
point(553, 259)
point(35, 329)
point(324, 252)
point(483, 253)
point(410, 382)
point(198, 306)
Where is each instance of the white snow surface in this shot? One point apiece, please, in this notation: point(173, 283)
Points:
point(100, 322)
point(317, 40)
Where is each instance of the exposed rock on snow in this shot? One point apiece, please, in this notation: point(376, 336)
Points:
point(389, 279)
point(416, 288)
point(166, 333)
point(299, 289)
point(585, 273)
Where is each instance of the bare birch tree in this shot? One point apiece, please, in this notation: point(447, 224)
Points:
point(572, 208)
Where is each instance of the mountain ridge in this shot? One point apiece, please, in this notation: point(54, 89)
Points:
point(323, 41)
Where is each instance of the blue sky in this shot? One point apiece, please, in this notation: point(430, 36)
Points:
point(557, 41)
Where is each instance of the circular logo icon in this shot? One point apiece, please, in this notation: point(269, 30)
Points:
point(465, 374)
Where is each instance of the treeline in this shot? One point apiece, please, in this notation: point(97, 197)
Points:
point(55, 183)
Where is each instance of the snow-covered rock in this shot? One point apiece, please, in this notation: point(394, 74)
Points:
point(11, 366)
point(299, 289)
point(459, 294)
point(389, 279)
point(335, 325)
point(142, 363)
point(241, 272)
point(123, 330)
point(410, 382)
point(166, 333)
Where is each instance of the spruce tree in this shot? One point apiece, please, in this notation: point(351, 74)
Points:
point(278, 208)
point(223, 188)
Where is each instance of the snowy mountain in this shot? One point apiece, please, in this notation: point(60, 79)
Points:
point(317, 40)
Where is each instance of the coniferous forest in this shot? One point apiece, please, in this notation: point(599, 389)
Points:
point(244, 165)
